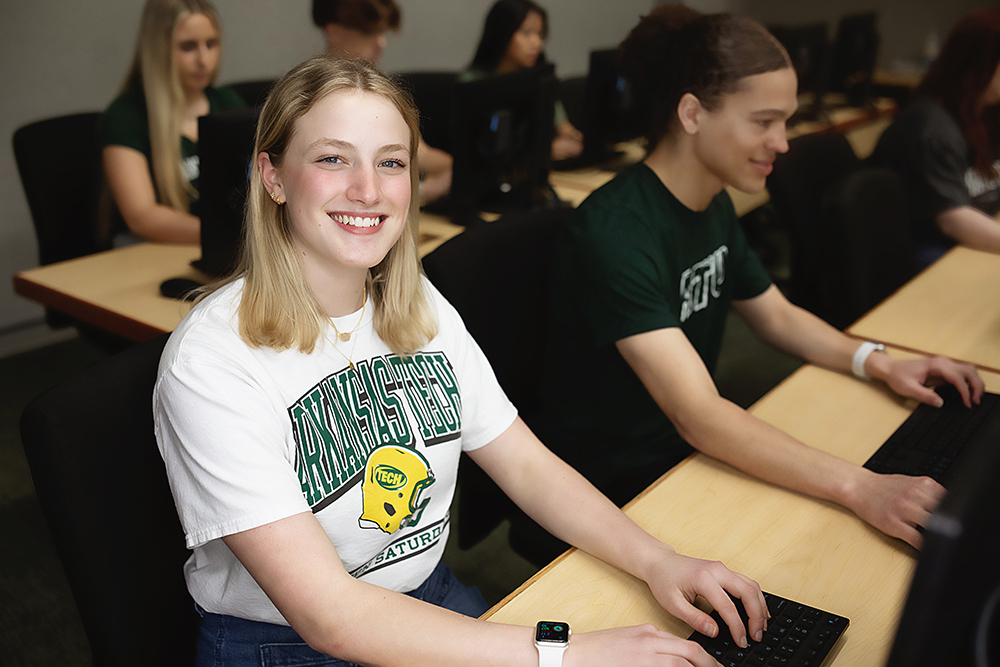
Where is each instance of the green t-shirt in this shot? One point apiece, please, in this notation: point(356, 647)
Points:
point(634, 260)
point(126, 123)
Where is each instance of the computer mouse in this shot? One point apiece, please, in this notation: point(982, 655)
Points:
point(184, 289)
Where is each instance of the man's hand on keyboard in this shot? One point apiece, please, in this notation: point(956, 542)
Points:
point(913, 378)
point(895, 504)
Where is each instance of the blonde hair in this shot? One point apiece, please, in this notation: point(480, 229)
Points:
point(154, 71)
point(277, 309)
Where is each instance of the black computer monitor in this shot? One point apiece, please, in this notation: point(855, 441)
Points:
point(501, 142)
point(952, 613)
point(808, 48)
point(855, 50)
point(610, 113)
point(225, 154)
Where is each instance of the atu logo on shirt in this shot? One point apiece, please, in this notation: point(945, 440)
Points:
point(702, 282)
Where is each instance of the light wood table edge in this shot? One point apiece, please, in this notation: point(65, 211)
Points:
point(90, 313)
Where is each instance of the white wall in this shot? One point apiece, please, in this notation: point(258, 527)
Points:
point(61, 57)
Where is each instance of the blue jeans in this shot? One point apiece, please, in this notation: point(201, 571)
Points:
point(227, 641)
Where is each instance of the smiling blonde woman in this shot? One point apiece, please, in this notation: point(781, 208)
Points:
point(314, 467)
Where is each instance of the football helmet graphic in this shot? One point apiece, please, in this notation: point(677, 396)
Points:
point(395, 478)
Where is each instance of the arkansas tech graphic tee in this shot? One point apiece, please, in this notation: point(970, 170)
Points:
point(252, 436)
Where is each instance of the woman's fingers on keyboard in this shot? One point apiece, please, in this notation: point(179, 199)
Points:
point(739, 589)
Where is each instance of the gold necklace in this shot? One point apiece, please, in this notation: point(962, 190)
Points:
point(346, 336)
point(350, 361)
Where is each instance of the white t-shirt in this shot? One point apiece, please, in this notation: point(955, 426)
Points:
point(252, 436)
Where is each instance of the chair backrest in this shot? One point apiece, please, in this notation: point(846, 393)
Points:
point(63, 195)
point(801, 176)
point(868, 249)
point(103, 488)
point(253, 92)
point(496, 275)
point(434, 94)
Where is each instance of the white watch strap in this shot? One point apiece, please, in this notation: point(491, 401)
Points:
point(550, 656)
point(861, 356)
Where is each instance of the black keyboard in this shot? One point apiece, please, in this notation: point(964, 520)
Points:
point(797, 636)
point(932, 440)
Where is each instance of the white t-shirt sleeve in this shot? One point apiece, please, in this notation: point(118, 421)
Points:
point(225, 444)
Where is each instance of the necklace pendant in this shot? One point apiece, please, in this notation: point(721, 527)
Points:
point(351, 364)
point(344, 337)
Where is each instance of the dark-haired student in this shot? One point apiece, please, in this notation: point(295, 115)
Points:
point(513, 39)
point(946, 143)
point(645, 276)
point(356, 29)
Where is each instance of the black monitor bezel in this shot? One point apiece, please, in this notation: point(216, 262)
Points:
point(952, 604)
point(475, 185)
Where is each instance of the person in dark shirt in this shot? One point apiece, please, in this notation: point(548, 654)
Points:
point(644, 277)
point(356, 29)
point(946, 144)
point(149, 133)
point(513, 39)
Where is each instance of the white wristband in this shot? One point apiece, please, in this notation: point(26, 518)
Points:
point(861, 356)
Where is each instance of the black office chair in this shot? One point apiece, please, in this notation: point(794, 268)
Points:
point(800, 178)
point(103, 488)
point(867, 246)
point(253, 92)
point(64, 195)
point(496, 275)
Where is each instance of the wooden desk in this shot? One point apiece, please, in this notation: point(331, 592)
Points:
point(815, 552)
point(907, 78)
point(119, 290)
point(951, 308)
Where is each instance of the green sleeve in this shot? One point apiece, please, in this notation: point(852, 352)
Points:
point(125, 123)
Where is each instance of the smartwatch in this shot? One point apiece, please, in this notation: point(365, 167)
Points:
point(861, 356)
point(551, 640)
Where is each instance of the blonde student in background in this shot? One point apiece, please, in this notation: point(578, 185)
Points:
point(149, 133)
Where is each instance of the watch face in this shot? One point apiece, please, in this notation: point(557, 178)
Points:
point(554, 632)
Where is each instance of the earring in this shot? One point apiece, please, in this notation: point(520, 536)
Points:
point(275, 199)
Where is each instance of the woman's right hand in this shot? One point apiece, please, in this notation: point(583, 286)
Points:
point(636, 646)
